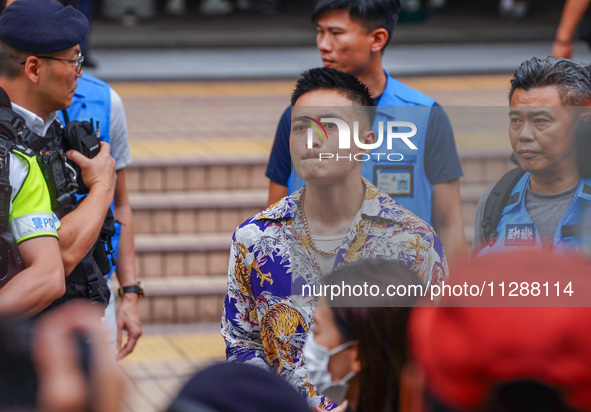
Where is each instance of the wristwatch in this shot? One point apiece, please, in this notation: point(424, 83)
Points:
point(132, 289)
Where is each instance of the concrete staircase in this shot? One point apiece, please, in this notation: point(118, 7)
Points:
point(185, 213)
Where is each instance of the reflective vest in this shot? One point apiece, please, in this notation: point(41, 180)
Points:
point(398, 103)
point(92, 100)
point(516, 228)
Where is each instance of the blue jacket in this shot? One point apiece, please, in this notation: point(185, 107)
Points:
point(516, 228)
point(92, 100)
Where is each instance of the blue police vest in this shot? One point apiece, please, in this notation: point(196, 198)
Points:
point(399, 171)
point(92, 100)
point(516, 229)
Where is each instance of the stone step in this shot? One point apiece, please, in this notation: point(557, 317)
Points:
point(183, 299)
point(184, 174)
point(248, 172)
point(182, 255)
point(195, 211)
point(195, 255)
point(223, 211)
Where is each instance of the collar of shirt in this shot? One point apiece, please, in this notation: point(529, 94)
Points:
point(35, 123)
point(375, 203)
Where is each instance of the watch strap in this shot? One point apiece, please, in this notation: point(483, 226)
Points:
point(132, 289)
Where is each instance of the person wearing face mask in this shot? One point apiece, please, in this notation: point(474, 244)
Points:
point(357, 348)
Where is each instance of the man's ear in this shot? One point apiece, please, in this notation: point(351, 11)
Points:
point(368, 137)
point(379, 39)
point(32, 67)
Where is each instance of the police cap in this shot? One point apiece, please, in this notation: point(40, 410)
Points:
point(42, 26)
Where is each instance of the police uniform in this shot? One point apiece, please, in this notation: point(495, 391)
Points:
point(30, 212)
point(41, 28)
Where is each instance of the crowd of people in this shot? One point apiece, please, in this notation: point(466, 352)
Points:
point(392, 222)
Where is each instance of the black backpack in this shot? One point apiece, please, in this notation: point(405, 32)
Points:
point(496, 202)
point(11, 261)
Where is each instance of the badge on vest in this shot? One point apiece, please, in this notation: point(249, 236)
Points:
point(520, 235)
point(394, 180)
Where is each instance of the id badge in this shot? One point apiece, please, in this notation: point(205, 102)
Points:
point(396, 181)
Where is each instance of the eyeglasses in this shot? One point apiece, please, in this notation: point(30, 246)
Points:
point(77, 62)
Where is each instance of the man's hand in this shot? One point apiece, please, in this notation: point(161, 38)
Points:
point(128, 319)
point(63, 384)
point(341, 408)
point(562, 49)
point(98, 171)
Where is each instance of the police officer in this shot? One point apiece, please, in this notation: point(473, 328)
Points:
point(39, 45)
point(542, 205)
point(25, 219)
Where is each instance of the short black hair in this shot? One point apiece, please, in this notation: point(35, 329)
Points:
point(372, 13)
point(326, 78)
point(572, 79)
point(10, 61)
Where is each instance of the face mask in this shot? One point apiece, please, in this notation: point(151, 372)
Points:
point(317, 358)
point(337, 390)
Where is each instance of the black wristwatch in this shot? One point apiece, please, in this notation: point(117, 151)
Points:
point(132, 289)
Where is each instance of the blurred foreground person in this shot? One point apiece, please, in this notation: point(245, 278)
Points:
point(61, 363)
point(501, 359)
point(358, 345)
point(75, 367)
point(236, 387)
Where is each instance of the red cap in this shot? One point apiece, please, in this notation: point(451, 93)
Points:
point(466, 351)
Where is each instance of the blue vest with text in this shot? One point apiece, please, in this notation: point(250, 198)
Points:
point(516, 228)
point(399, 171)
point(92, 100)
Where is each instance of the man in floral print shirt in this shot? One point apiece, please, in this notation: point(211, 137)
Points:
point(337, 218)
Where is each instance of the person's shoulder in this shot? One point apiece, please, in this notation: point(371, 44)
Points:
point(273, 215)
point(397, 93)
point(486, 194)
point(384, 206)
point(286, 116)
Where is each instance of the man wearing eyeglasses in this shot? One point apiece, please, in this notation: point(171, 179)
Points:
point(96, 100)
point(40, 63)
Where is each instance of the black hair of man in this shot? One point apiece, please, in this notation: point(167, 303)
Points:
point(572, 79)
point(10, 61)
point(373, 14)
point(326, 78)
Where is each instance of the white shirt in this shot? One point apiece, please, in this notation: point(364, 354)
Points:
point(35, 123)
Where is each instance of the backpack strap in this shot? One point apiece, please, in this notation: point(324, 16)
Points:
point(66, 117)
point(5, 188)
point(496, 202)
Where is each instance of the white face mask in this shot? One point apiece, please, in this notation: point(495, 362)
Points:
point(317, 358)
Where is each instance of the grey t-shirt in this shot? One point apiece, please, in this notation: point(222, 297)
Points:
point(545, 212)
point(118, 132)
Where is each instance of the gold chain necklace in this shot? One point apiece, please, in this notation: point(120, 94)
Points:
point(309, 239)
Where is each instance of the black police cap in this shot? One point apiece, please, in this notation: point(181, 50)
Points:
point(42, 26)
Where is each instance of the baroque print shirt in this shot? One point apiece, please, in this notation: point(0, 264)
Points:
point(266, 318)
